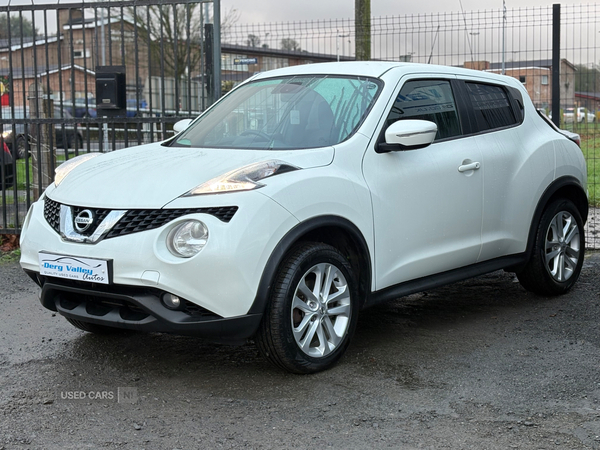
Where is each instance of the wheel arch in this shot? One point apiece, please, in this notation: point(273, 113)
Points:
point(333, 230)
point(565, 187)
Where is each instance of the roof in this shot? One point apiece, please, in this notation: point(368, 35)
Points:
point(15, 43)
point(28, 72)
point(544, 63)
point(377, 69)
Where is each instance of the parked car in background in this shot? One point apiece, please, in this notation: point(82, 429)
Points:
point(305, 195)
point(81, 109)
point(582, 115)
point(569, 134)
point(6, 167)
point(65, 135)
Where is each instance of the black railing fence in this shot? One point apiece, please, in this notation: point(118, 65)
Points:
point(170, 72)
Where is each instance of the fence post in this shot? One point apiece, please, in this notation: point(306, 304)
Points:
point(556, 116)
point(43, 158)
point(362, 32)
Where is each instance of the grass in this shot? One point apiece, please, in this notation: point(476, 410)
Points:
point(590, 146)
point(8, 257)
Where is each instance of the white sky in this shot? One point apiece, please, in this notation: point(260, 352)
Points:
point(260, 11)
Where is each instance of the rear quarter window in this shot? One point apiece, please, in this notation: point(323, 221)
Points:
point(491, 106)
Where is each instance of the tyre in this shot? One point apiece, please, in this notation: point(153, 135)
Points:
point(312, 311)
point(93, 327)
point(76, 142)
point(558, 251)
point(20, 149)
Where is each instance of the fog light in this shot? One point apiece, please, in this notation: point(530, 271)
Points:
point(171, 301)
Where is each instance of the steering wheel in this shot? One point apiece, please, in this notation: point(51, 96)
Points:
point(261, 134)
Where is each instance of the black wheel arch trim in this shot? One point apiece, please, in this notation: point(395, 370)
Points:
point(558, 184)
point(295, 235)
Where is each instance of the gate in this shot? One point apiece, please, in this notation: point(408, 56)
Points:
point(49, 55)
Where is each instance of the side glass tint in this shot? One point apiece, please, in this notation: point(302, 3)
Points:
point(427, 100)
point(491, 106)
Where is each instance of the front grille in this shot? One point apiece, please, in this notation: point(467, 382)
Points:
point(147, 219)
point(52, 213)
point(134, 220)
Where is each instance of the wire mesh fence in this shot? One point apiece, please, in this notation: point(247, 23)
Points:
point(170, 77)
point(517, 42)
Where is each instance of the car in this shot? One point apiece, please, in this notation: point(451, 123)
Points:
point(81, 107)
point(575, 137)
point(305, 195)
point(65, 135)
point(582, 114)
point(6, 167)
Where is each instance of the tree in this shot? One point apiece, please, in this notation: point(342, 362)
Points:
point(290, 45)
point(587, 79)
point(15, 27)
point(253, 40)
point(174, 34)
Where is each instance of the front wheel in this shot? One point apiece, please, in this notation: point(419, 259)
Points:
point(312, 312)
point(558, 251)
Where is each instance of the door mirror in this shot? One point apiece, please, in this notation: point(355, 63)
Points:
point(408, 134)
point(181, 125)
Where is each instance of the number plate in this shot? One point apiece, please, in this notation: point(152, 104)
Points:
point(74, 268)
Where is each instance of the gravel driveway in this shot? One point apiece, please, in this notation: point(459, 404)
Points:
point(477, 365)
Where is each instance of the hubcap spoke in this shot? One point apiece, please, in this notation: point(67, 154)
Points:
point(321, 310)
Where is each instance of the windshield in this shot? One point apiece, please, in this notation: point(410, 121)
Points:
point(285, 113)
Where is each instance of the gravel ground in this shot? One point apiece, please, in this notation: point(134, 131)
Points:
point(476, 365)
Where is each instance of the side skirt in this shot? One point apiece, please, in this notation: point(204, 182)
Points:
point(510, 263)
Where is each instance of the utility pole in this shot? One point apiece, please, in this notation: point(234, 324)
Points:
point(362, 29)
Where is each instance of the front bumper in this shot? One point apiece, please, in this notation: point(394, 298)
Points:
point(222, 279)
point(140, 309)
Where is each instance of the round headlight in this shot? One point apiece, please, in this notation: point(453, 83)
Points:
point(187, 238)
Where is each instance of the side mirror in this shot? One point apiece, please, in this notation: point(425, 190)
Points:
point(409, 134)
point(181, 125)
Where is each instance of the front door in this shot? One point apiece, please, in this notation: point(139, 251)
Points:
point(427, 203)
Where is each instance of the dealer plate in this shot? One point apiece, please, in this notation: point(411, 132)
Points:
point(74, 268)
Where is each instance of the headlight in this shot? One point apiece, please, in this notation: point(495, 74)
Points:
point(63, 170)
point(6, 134)
point(187, 238)
point(244, 179)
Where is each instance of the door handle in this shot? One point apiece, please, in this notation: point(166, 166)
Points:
point(470, 166)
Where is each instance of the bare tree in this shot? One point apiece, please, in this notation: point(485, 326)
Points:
point(174, 34)
point(290, 44)
point(253, 40)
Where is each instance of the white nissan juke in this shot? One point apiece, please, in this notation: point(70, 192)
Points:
point(305, 195)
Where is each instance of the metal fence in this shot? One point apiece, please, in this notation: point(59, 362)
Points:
point(169, 78)
point(49, 55)
point(518, 42)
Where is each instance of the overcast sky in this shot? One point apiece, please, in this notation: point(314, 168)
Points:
point(257, 11)
point(260, 11)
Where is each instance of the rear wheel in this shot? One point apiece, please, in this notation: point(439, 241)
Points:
point(312, 312)
point(93, 327)
point(20, 148)
point(558, 251)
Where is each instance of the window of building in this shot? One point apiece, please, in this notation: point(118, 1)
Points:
point(491, 106)
point(522, 79)
point(428, 100)
point(544, 79)
point(81, 53)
